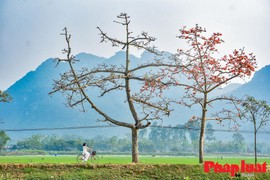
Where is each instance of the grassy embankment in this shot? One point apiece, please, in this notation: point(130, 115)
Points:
point(115, 167)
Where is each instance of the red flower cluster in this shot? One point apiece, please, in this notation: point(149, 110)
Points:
point(202, 64)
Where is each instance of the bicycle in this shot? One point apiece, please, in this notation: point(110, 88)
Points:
point(93, 157)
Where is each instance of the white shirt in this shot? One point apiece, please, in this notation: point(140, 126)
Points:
point(85, 149)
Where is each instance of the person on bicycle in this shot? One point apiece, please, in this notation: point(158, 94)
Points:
point(86, 152)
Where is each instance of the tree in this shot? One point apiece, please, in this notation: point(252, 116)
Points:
point(143, 107)
point(5, 97)
point(258, 113)
point(238, 142)
point(205, 72)
point(33, 142)
point(209, 132)
point(3, 139)
point(193, 130)
point(155, 136)
point(52, 142)
point(143, 134)
point(179, 138)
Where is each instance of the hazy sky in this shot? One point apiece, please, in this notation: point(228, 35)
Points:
point(30, 29)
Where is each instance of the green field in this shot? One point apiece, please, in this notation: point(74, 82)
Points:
point(118, 167)
point(124, 159)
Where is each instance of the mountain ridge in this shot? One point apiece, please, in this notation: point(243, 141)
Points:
point(32, 107)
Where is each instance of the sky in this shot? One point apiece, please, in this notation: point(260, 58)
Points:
point(30, 29)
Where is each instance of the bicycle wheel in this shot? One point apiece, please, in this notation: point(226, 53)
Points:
point(80, 158)
point(95, 159)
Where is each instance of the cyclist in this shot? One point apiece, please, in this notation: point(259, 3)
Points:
point(86, 152)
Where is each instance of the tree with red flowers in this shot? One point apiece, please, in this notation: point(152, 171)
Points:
point(205, 72)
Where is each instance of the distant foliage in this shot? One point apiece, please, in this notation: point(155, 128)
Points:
point(3, 139)
point(171, 140)
point(5, 97)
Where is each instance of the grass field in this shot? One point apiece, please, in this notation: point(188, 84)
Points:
point(122, 159)
point(118, 167)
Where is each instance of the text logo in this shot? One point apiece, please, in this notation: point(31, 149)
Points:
point(234, 168)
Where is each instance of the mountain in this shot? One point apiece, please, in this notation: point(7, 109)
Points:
point(229, 88)
point(33, 108)
point(258, 87)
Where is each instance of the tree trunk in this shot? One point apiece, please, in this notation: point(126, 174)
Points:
point(135, 149)
point(201, 145)
point(255, 146)
point(255, 137)
point(203, 124)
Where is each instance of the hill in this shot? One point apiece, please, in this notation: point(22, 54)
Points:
point(258, 87)
point(33, 108)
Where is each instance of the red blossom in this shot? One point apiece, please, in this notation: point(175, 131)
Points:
point(205, 67)
point(202, 65)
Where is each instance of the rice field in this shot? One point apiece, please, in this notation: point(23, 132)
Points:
point(125, 159)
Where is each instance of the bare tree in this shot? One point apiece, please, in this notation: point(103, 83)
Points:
point(258, 113)
point(143, 106)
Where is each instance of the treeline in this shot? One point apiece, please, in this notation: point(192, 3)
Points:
point(177, 140)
